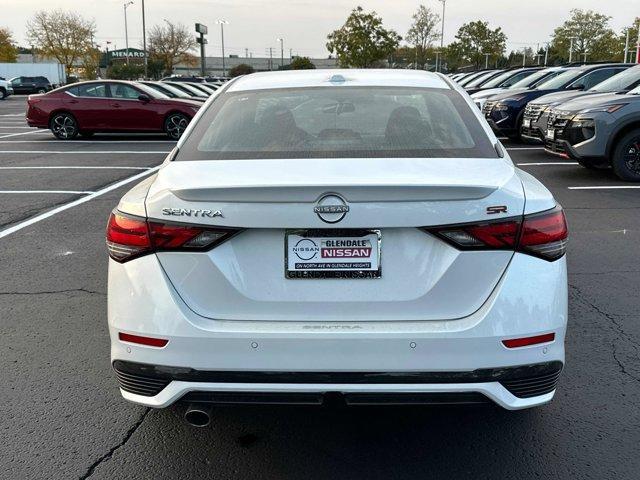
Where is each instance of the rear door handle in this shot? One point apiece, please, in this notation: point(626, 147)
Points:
point(116, 105)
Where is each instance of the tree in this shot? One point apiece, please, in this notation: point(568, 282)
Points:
point(302, 63)
point(8, 50)
point(240, 69)
point(423, 33)
point(475, 39)
point(122, 71)
point(591, 35)
point(170, 45)
point(633, 40)
point(65, 36)
point(362, 40)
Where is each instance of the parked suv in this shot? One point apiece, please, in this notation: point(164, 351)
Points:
point(598, 132)
point(505, 112)
point(30, 85)
point(5, 89)
point(536, 113)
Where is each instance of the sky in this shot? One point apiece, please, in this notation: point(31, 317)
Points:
point(256, 24)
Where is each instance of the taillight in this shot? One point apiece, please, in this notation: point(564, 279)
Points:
point(543, 234)
point(129, 237)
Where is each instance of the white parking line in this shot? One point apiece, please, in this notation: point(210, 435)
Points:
point(74, 167)
point(74, 192)
point(607, 187)
point(525, 148)
point(548, 163)
point(75, 203)
point(13, 115)
point(14, 126)
point(23, 133)
point(94, 142)
point(85, 152)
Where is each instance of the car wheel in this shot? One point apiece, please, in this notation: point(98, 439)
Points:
point(175, 125)
point(41, 90)
point(626, 157)
point(2, 94)
point(64, 126)
point(86, 134)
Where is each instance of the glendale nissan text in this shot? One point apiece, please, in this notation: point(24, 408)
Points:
point(359, 233)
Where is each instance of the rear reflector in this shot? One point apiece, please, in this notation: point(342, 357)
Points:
point(148, 341)
point(526, 341)
point(543, 234)
point(129, 237)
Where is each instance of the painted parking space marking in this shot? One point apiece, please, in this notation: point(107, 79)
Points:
point(547, 163)
point(75, 203)
point(607, 187)
point(85, 152)
point(75, 167)
point(21, 133)
point(70, 192)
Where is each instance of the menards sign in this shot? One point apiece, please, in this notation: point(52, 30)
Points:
point(122, 53)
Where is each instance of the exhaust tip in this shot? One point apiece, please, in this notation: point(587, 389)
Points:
point(198, 416)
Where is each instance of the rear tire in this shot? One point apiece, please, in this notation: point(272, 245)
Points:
point(41, 90)
point(175, 125)
point(626, 157)
point(64, 126)
point(2, 94)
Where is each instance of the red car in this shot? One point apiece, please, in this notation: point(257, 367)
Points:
point(109, 106)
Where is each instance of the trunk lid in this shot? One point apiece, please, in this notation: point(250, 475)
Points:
point(423, 278)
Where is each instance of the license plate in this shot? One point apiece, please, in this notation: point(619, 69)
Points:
point(332, 253)
point(526, 123)
point(551, 134)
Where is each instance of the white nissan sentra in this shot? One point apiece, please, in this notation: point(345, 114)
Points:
point(357, 233)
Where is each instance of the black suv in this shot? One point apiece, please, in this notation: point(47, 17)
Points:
point(30, 85)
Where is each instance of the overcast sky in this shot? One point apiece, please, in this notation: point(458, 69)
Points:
point(304, 24)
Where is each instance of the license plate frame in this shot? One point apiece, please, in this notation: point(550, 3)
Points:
point(353, 271)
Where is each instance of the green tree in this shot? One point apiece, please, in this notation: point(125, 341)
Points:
point(474, 40)
point(122, 71)
point(423, 32)
point(302, 63)
point(8, 50)
point(633, 40)
point(362, 41)
point(241, 69)
point(591, 35)
point(65, 36)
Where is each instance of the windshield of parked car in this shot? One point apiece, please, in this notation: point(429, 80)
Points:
point(338, 122)
point(626, 80)
point(536, 77)
point(175, 91)
point(481, 79)
point(504, 78)
point(561, 80)
point(152, 92)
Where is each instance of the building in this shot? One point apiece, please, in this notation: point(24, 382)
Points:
point(259, 64)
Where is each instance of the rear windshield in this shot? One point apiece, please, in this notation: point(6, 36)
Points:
point(535, 78)
point(337, 122)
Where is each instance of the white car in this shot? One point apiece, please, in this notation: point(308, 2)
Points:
point(5, 89)
point(357, 233)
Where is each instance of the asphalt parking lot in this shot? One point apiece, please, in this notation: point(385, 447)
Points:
point(63, 417)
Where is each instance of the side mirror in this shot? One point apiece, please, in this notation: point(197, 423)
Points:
point(577, 86)
point(144, 98)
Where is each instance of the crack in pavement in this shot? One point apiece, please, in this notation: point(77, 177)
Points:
point(53, 292)
point(92, 468)
point(616, 327)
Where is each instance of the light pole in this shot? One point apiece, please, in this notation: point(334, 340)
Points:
point(222, 23)
point(486, 60)
point(126, 30)
point(281, 40)
point(144, 42)
point(571, 48)
point(438, 63)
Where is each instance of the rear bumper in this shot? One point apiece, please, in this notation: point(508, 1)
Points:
point(512, 388)
point(514, 309)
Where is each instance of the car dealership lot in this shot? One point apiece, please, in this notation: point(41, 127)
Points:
point(63, 416)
